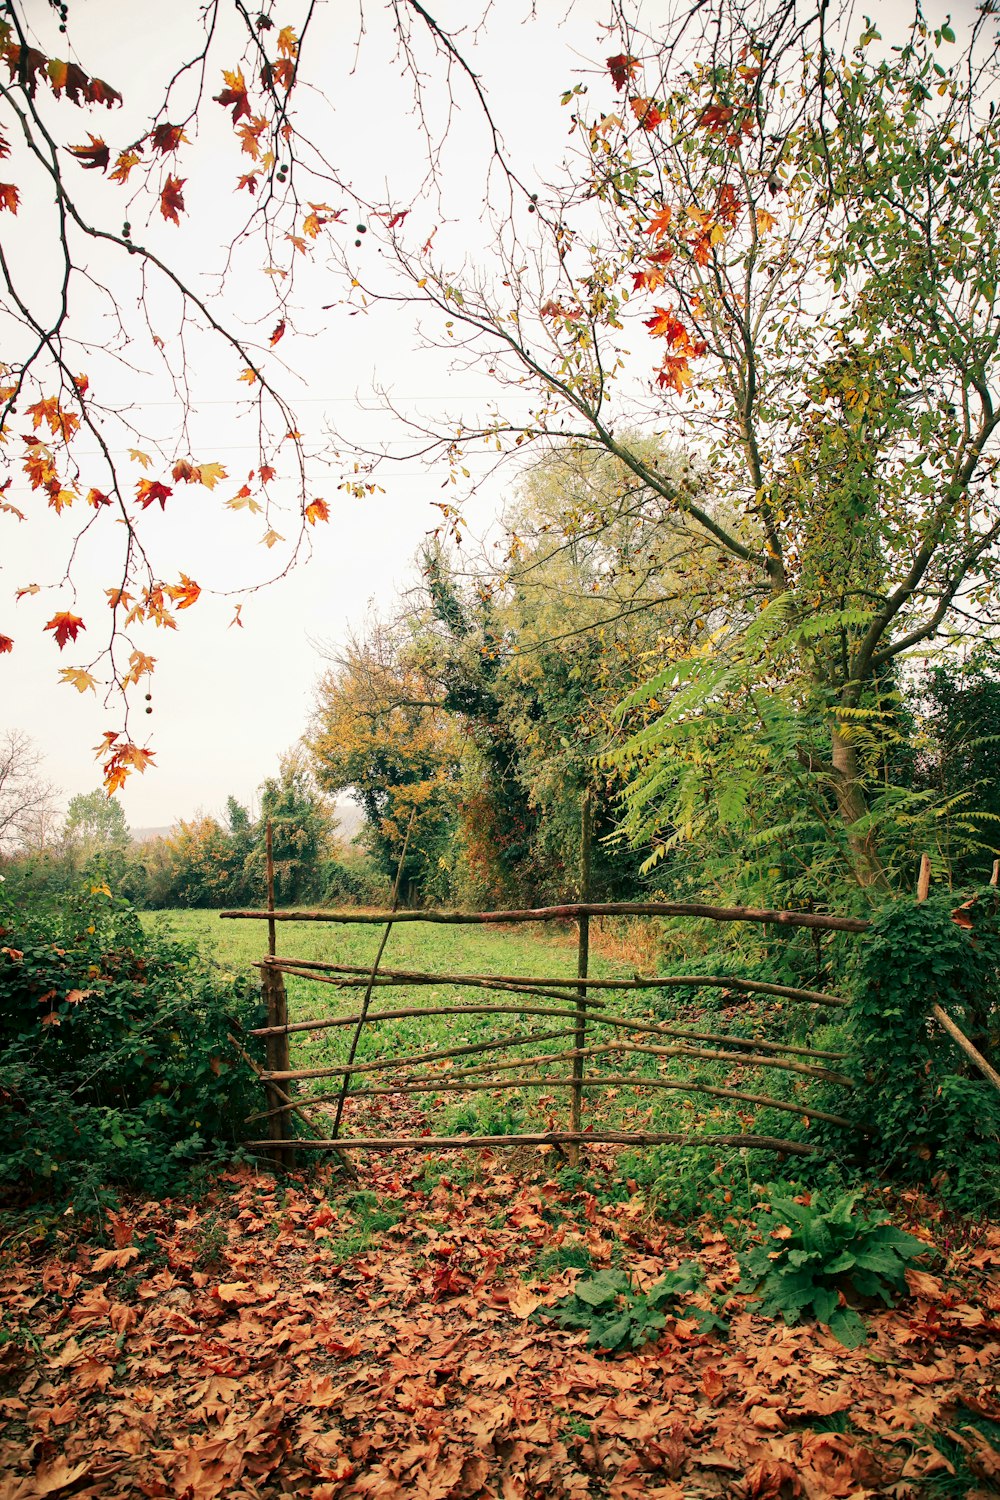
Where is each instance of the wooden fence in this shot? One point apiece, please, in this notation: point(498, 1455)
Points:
point(574, 1009)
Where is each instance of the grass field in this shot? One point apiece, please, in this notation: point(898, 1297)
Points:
point(529, 949)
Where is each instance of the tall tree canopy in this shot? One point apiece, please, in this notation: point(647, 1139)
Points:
point(802, 220)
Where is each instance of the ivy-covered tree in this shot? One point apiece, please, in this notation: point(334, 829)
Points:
point(802, 219)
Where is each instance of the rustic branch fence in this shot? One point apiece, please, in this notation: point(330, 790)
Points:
point(575, 1010)
point(576, 1003)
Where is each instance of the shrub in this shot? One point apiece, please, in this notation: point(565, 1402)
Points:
point(114, 1063)
point(617, 1316)
point(811, 1260)
point(929, 1119)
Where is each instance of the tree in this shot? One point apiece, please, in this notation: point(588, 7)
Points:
point(380, 730)
point(93, 822)
point(804, 220)
point(302, 831)
point(27, 800)
point(128, 300)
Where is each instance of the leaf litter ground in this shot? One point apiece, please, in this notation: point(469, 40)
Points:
point(310, 1337)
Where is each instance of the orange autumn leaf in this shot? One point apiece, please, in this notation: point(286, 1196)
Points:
point(317, 510)
point(185, 593)
point(124, 163)
point(66, 627)
point(79, 678)
point(647, 113)
point(279, 333)
point(715, 117)
point(9, 196)
point(6, 644)
point(660, 222)
point(288, 42)
point(674, 374)
point(248, 376)
point(172, 199)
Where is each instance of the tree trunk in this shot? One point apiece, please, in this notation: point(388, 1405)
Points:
point(852, 806)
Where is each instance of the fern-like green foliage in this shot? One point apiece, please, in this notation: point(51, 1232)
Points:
point(813, 1261)
point(727, 754)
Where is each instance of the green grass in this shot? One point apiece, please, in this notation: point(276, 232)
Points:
point(528, 949)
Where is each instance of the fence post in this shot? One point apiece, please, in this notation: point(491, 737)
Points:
point(278, 1054)
point(582, 964)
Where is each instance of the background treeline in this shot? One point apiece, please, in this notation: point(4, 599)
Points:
point(604, 646)
point(601, 648)
point(204, 862)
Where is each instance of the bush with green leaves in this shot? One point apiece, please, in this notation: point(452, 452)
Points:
point(617, 1316)
point(812, 1260)
point(930, 1117)
point(115, 1069)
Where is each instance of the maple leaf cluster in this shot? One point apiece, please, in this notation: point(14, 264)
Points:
point(253, 1345)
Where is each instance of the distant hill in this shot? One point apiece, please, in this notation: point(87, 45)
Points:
point(350, 820)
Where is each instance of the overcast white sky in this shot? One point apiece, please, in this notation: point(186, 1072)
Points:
point(226, 702)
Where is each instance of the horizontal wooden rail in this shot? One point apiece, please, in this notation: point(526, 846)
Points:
point(568, 913)
point(304, 967)
point(550, 1138)
point(623, 1023)
point(600, 1081)
point(478, 1069)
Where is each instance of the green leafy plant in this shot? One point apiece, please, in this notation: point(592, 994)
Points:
point(813, 1259)
point(617, 1316)
point(928, 1118)
point(115, 1068)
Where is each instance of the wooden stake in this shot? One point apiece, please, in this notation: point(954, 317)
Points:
point(285, 1098)
point(363, 1015)
point(582, 962)
point(924, 878)
point(995, 877)
point(278, 1063)
point(271, 936)
point(972, 1052)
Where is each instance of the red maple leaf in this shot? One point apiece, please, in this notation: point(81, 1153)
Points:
point(8, 196)
point(96, 155)
point(278, 333)
point(66, 626)
point(6, 644)
point(715, 117)
point(149, 490)
point(622, 67)
point(167, 138)
point(318, 510)
point(96, 91)
point(172, 199)
point(235, 93)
